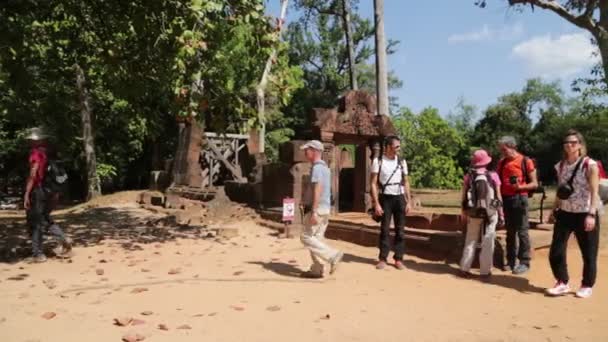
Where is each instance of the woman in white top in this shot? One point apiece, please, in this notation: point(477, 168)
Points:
point(577, 211)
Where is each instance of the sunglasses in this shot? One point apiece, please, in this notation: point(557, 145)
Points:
point(570, 142)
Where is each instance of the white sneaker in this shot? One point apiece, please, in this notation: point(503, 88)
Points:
point(559, 289)
point(584, 292)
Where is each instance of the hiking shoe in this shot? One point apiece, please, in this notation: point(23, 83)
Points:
point(38, 259)
point(334, 263)
point(584, 292)
point(520, 269)
point(381, 265)
point(399, 265)
point(311, 275)
point(559, 289)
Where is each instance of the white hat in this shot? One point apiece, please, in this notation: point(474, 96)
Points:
point(314, 144)
point(36, 134)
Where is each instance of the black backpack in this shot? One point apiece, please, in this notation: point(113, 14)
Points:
point(55, 177)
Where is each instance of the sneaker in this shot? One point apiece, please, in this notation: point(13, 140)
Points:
point(399, 265)
point(381, 265)
point(39, 258)
point(559, 289)
point(486, 278)
point(311, 275)
point(521, 269)
point(334, 263)
point(584, 292)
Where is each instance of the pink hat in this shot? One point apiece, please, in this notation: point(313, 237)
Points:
point(480, 158)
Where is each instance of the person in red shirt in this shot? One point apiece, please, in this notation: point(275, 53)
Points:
point(517, 177)
point(38, 202)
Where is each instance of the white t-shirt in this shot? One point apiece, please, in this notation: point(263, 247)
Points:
point(388, 166)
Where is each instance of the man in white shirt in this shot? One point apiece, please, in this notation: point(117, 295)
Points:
point(391, 199)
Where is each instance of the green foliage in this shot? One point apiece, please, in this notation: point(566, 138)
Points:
point(431, 146)
point(317, 44)
point(146, 63)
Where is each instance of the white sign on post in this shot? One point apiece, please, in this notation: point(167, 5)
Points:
point(289, 209)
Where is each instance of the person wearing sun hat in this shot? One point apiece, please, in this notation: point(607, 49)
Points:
point(37, 201)
point(484, 227)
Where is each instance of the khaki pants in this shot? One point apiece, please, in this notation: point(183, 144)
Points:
point(474, 228)
point(313, 237)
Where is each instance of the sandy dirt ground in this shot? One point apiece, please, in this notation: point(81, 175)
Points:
point(247, 289)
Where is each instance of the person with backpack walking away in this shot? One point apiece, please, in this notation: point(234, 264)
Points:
point(576, 210)
point(390, 189)
point(518, 179)
point(482, 210)
point(40, 196)
point(317, 214)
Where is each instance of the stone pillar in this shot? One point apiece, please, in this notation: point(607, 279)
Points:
point(187, 169)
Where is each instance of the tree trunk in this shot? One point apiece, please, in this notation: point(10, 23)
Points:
point(348, 34)
point(261, 88)
point(93, 184)
point(381, 72)
point(602, 43)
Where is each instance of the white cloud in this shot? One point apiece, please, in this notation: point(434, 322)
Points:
point(563, 56)
point(475, 36)
point(486, 33)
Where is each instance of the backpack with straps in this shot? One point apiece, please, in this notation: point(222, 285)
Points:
point(55, 177)
point(481, 197)
point(388, 181)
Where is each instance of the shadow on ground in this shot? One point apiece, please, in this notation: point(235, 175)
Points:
point(512, 282)
point(124, 225)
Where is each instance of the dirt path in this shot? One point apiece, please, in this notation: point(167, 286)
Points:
point(247, 289)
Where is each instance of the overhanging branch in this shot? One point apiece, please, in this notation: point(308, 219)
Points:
point(582, 21)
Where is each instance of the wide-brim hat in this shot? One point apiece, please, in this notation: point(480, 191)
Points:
point(481, 158)
point(36, 134)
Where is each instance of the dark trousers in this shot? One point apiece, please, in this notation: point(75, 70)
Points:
point(588, 242)
point(516, 222)
point(39, 220)
point(394, 207)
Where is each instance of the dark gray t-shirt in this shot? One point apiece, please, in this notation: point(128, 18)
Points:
point(320, 173)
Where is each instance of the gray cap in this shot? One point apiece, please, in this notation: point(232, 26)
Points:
point(36, 133)
point(314, 144)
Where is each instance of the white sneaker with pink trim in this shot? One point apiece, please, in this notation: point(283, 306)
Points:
point(584, 292)
point(559, 289)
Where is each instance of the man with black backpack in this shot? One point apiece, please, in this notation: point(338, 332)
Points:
point(390, 189)
point(518, 179)
point(44, 179)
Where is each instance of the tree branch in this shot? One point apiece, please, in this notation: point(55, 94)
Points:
point(582, 21)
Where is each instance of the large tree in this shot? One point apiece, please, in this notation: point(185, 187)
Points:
point(140, 64)
point(317, 44)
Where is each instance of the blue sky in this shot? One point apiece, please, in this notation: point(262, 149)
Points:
point(451, 49)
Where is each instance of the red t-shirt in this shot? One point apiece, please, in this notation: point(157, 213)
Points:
point(512, 167)
point(38, 156)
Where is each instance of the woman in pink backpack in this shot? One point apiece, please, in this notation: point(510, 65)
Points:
point(576, 210)
point(482, 210)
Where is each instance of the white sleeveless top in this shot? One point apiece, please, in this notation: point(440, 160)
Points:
point(580, 200)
